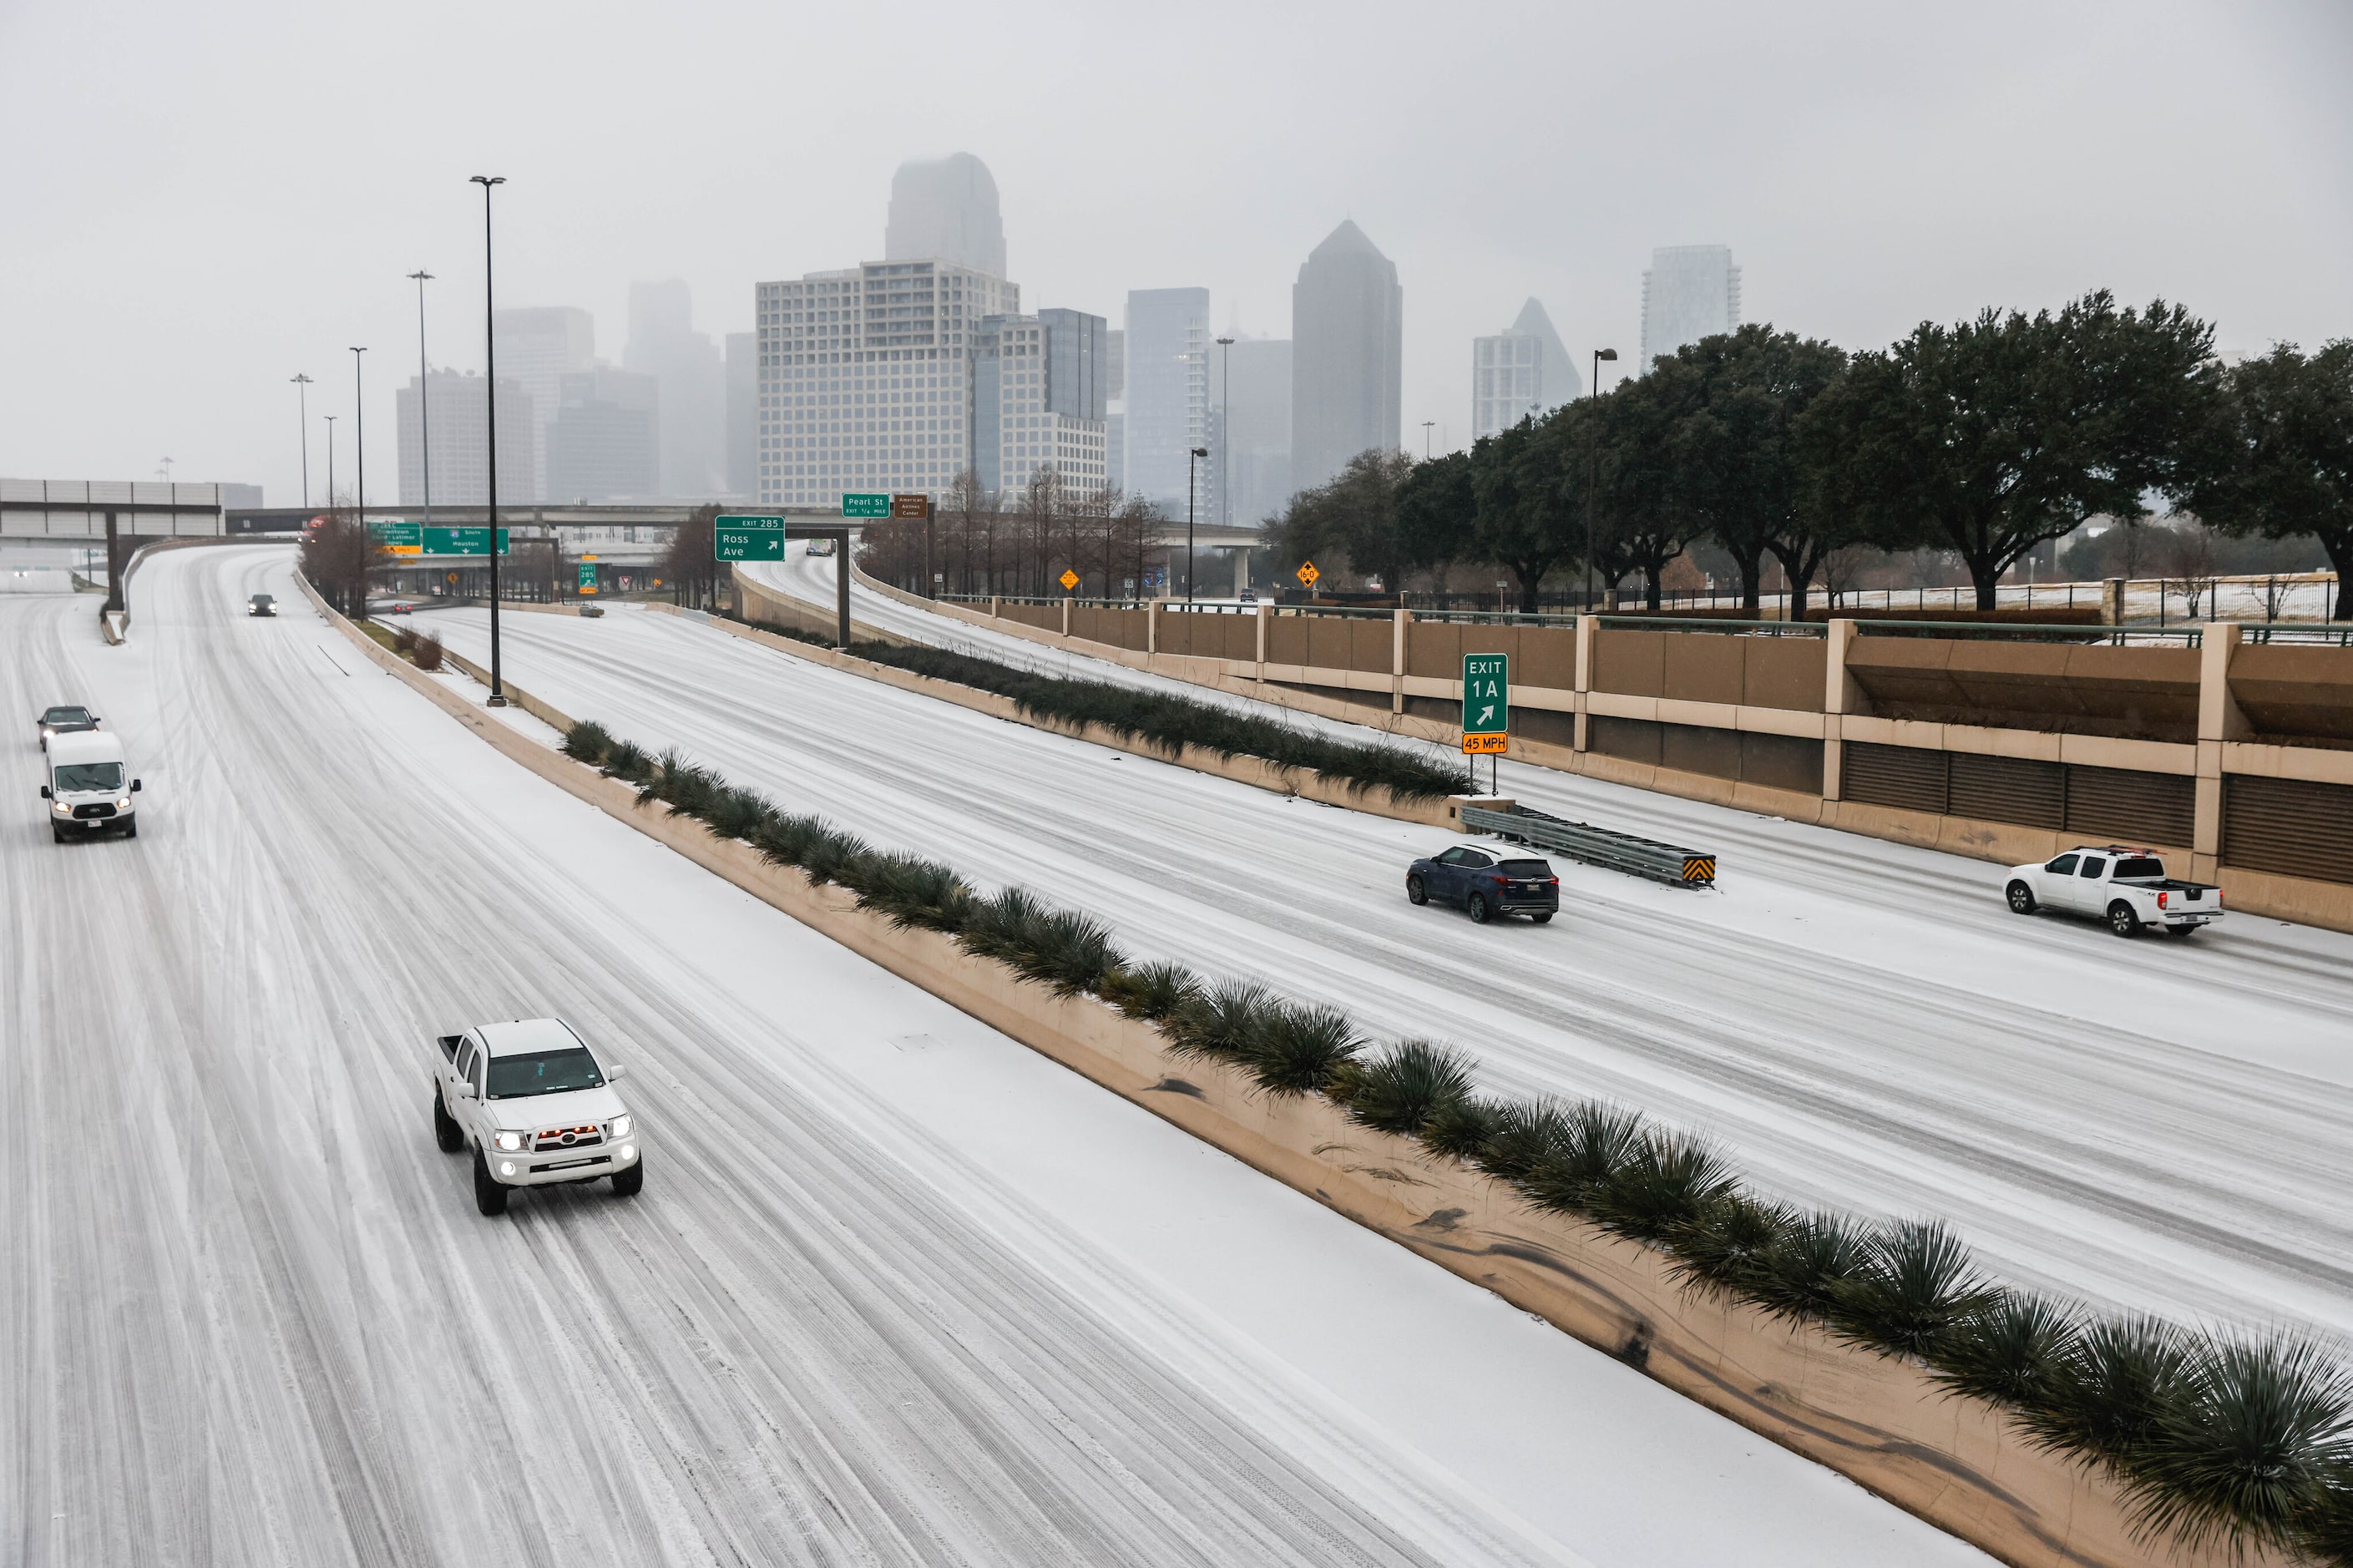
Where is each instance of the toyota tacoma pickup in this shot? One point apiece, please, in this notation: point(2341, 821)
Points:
point(2126, 888)
point(535, 1106)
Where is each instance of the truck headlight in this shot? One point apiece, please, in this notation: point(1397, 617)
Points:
point(122, 805)
point(622, 1125)
point(63, 808)
point(508, 1143)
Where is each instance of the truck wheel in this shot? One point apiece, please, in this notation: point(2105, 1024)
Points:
point(1415, 893)
point(488, 1197)
point(1477, 904)
point(57, 834)
point(628, 1183)
point(131, 830)
point(447, 1133)
point(2122, 921)
point(1542, 918)
point(2181, 931)
point(2021, 898)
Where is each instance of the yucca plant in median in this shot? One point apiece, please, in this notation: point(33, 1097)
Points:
point(2241, 1441)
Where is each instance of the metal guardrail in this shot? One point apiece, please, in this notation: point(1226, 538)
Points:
point(2032, 631)
point(2337, 634)
point(1716, 624)
point(1603, 847)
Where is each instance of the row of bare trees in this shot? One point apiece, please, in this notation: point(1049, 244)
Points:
point(1019, 542)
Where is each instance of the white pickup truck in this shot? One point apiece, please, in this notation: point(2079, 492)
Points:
point(2126, 887)
point(537, 1107)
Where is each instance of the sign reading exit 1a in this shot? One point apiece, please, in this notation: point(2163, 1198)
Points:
point(1486, 701)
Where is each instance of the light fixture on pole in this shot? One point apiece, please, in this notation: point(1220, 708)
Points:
point(498, 697)
point(1593, 478)
point(1425, 439)
point(331, 461)
point(302, 408)
point(424, 404)
point(1192, 460)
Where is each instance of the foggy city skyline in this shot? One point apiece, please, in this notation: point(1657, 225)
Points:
point(208, 206)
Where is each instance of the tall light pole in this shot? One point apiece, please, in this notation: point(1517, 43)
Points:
point(1192, 466)
point(1425, 439)
point(490, 427)
point(424, 402)
point(359, 430)
point(303, 406)
point(331, 461)
point(1225, 440)
point(1593, 478)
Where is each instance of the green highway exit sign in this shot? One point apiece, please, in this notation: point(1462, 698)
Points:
point(736, 536)
point(1486, 701)
point(865, 506)
point(460, 540)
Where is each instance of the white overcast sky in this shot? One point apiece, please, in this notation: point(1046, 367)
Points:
point(201, 200)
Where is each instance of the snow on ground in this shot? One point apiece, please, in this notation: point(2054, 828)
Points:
point(1862, 1024)
point(898, 1290)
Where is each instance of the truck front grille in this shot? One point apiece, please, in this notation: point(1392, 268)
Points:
point(93, 813)
point(552, 1138)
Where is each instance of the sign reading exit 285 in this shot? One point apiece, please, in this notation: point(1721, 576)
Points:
point(1486, 701)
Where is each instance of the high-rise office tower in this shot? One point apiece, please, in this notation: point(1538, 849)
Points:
point(602, 444)
point(1690, 293)
point(1038, 401)
point(1116, 407)
point(1254, 415)
point(944, 209)
point(1520, 371)
point(460, 447)
point(866, 378)
point(692, 420)
point(742, 415)
point(1347, 356)
point(1166, 359)
point(537, 346)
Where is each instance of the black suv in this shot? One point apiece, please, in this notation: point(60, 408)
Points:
point(1485, 883)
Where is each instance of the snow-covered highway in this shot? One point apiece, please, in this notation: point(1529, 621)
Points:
point(898, 1290)
point(2163, 1126)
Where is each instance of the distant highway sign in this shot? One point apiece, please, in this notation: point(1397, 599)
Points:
point(1486, 701)
point(460, 540)
point(1070, 579)
point(865, 506)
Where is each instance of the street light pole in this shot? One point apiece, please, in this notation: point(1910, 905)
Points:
point(1192, 460)
point(359, 429)
point(424, 402)
point(1593, 478)
point(331, 461)
point(1425, 439)
point(302, 408)
point(490, 427)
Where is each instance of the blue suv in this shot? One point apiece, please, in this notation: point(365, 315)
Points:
point(1486, 884)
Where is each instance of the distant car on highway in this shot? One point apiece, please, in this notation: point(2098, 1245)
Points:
point(2126, 887)
point(64, 720)
point(1246, 596)
point(537, 1107)
point(402, 607)
point(261, 604)
point(820, 547)
point(88, 792)
point(1486, 883)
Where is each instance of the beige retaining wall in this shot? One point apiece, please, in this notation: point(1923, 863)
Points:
point(1953, 1462)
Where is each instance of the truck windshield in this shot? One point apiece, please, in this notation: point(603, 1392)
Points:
point(66, 715)
point(90, 776)
point(527, 1073)
point(2133, 866)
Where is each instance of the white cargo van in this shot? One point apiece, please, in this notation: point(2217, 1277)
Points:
point(89, 789)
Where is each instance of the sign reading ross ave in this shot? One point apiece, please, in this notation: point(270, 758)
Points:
point(399, 538)
point(1486, 701)
point(736, 536)
point(865, 506)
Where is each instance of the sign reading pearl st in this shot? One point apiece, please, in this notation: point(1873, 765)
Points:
point(737, 536)
point(1486, 702)
point(865, 506)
